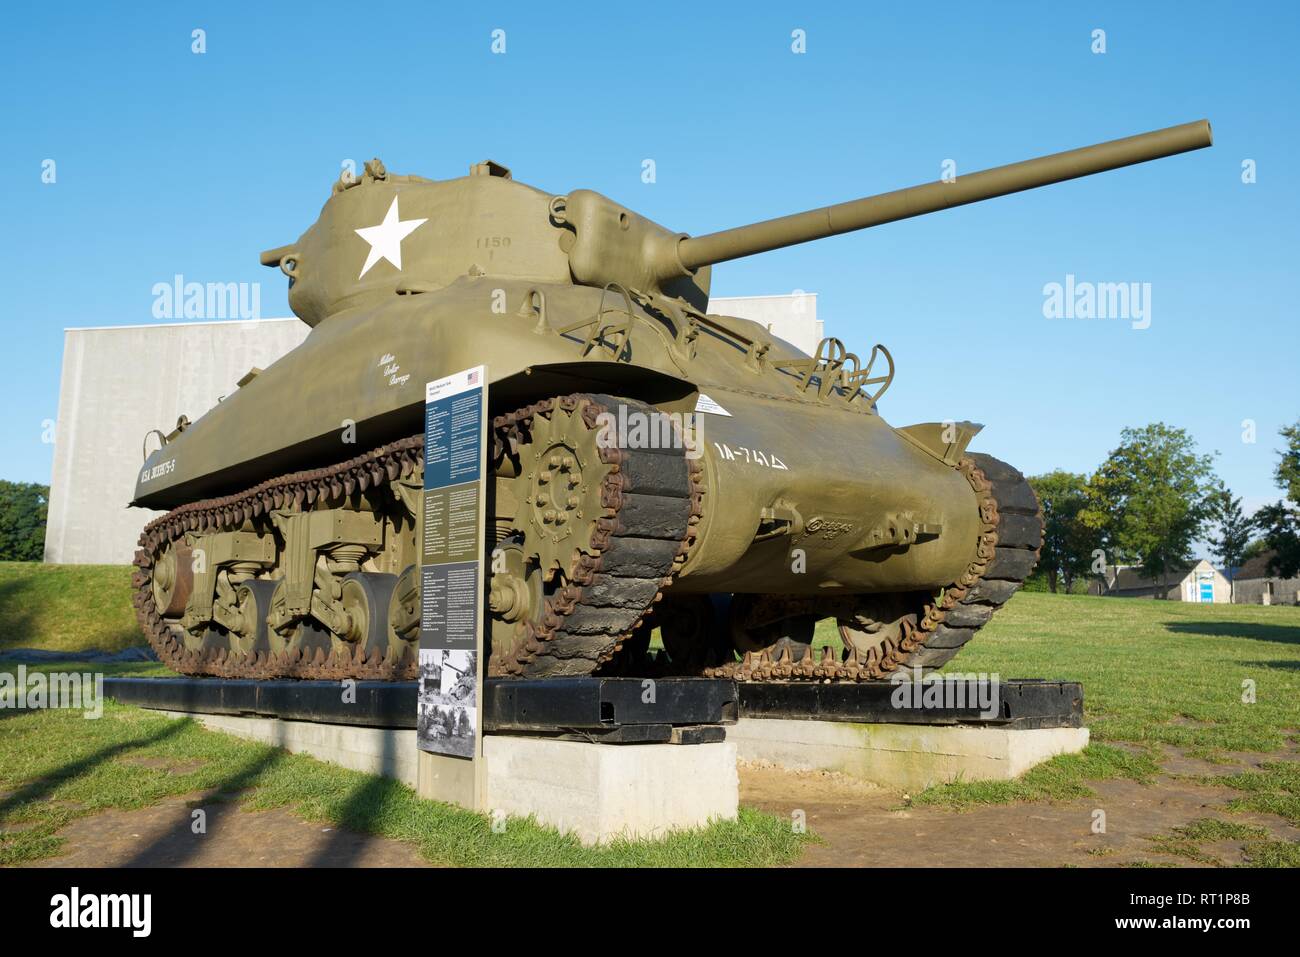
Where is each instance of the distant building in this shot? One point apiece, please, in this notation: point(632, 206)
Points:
point(792, 318)
point(1199, 583)
point(118, 382)
point(1254, 585)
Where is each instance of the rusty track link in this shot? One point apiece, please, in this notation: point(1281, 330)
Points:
point(1006, 551)
point(584, 623)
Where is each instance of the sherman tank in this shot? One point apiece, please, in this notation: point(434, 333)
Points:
point(652, 465)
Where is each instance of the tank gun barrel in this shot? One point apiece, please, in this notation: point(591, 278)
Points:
point(696, 251)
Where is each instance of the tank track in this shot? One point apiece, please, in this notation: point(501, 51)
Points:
point(651, 504)
point(1006, 553)
point(295, 491)
point(651, 501)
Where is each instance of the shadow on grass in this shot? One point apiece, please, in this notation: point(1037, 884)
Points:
point(1290, 665)
point(1237, 629)
point(359, 813)
point(42, 787)
point(177, 846)
point(16, 612)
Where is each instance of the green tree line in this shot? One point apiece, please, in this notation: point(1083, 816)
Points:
point(1151, 499)
point(23, 509)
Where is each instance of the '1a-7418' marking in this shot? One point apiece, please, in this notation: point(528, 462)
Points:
point(750, 456)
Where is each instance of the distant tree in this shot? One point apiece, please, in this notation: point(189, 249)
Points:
point(23, 509)
point(1280, 522)
point(1231, 532)
point(1149, 499)
point(1257, 546)
point(1068, 543)
point(1287, 473)
point(1281, 526)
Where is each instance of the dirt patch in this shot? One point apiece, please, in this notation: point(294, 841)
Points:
point(163, 836)
point(874, 827)
point(812, 782)
point(164, 764)
point(1179, 761)
point(1224, 852)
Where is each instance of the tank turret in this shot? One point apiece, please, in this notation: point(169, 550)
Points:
point(486, 224)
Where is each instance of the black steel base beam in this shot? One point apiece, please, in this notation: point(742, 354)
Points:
point(542, 705)
point(1017, 703)
point(559, 705)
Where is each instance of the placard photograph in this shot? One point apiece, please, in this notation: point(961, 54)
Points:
point(448, 706)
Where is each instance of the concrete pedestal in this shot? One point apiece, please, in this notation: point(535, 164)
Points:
point(596, 791)
point(907, 756)
point(389, 752)
point(603, 791)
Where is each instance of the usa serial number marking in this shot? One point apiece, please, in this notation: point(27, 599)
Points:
point(160, 469)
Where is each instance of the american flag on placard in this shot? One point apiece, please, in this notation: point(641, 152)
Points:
point(473, 377)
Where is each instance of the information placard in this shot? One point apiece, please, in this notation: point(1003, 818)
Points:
point(451, 565)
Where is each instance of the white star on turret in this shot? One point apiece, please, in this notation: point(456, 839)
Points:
point(386, 239)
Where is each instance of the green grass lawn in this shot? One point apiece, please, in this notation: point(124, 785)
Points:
point(1154, 674)
point(56, 766)
point(67, 607)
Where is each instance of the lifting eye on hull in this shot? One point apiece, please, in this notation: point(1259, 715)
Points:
point(182, 424)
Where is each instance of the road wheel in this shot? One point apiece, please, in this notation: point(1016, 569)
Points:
point(366, 597)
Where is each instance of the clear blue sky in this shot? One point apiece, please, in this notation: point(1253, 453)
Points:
point(170, 162)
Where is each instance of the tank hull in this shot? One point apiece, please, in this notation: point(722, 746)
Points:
point(824, 475)
point(801, 498)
